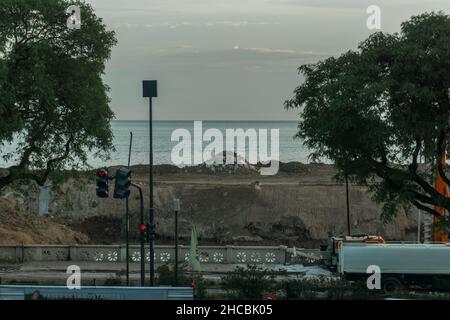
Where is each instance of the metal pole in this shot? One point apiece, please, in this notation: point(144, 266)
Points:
point(419, 222)
point(129, 151)
point(151, 213)
point(348, 204)
point(142, 239)
point(176, 247)
point(127, 221)
point(142, 234)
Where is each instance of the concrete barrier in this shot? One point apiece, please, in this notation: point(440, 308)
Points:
point(96, 293)
point(163, 254)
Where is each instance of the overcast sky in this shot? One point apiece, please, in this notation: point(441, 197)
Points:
point(231, 59)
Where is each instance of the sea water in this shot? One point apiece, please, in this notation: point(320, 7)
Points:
point(290, 148)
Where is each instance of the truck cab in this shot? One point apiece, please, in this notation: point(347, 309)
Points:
point(329, 252)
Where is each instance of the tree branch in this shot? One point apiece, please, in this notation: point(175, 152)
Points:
point(425, 208)
point(386, 172)
point(51, 162)
point(441, 155)
point(413, 166)
point(383, 154)
point(32, 147)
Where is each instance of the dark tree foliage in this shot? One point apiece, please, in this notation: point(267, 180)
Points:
point(381, 112)
point(53, 101)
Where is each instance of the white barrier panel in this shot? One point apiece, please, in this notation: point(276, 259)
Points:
point(95, 293)
point(163, 254)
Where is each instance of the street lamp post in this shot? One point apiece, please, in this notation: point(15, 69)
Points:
point(149, 88)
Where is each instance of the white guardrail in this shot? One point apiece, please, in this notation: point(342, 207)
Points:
point(163, 254)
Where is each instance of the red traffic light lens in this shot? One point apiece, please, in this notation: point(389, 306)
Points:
point(102, 173)
point(142, 228)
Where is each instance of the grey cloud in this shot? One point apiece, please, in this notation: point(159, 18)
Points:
point(230, 59)
point(256, 59)
point(355, 4)
point(196, 24)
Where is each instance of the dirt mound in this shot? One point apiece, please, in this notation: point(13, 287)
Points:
point(216, 169)
point(293, 167)
point(18, 227)
point(302, 205)
point(101, 229)
point(142, 169)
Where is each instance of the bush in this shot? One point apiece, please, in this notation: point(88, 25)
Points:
point(200, 285)
point(249, 283)
point(166, 276)
point(113, 281)
point(326, 288)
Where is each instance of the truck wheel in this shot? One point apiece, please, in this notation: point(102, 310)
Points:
point(391, 285)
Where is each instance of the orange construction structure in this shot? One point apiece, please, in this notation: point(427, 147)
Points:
point(442, 188)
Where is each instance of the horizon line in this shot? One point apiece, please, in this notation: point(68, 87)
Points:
point(191, 120)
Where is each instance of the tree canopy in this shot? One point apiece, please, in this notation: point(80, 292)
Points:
point(53, 101)
point(381, 113)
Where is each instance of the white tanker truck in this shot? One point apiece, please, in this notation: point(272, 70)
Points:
point(423, 265)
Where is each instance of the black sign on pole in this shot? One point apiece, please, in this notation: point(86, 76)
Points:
point(149, 90)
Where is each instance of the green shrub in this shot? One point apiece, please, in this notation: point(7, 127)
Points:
point(166, 276)
point(249, 283)
point(200, 285)
point(327, 288)
point(113, 281)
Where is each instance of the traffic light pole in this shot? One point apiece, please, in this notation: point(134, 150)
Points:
point(176, 208)
point(142, 234)
point(176, 248)
point(151, 211)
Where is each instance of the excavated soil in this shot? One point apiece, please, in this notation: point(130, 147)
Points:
point(18, 227)
point(302, 205)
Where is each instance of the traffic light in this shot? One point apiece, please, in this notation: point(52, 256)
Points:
point(143, 232)
point(123, 182)
point(102, 183)
point(150, 229)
